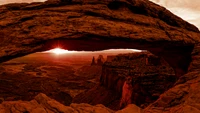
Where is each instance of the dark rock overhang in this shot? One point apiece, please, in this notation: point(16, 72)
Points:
point(96, 25)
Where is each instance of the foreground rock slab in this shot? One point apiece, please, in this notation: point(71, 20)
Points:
point(131, 108)
point(43, 104)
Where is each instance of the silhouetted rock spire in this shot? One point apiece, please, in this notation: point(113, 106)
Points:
point(93, 61)
point(100, 60)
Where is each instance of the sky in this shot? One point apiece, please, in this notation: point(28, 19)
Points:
point(188, 10)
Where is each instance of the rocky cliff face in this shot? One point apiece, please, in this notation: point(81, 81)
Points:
point(100, 60)
point(96, 25)
point(153, 77)
point(184, 96)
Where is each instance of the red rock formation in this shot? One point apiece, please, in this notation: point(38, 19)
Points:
point(184, 96)
point(93, 61)
point(100, 60)
point(131, 108)
point(153, 60)
point(127, 92)
point(150, 81)
point(43, 104)
point(110, 58)
point(97, 25)
point(99, 94)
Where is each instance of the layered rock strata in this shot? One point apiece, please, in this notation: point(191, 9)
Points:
point(153, 76)
point(107, 24)
point(96, 25)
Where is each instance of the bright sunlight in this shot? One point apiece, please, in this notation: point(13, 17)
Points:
point(59, 51)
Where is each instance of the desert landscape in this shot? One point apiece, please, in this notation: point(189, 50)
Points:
point(76, 56)
point(59, 76)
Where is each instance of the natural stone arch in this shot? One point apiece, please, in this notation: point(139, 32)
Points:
point(97, 25)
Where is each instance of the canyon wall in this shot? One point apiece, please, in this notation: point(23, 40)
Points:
point(152, 73)
point(184, 96)
point(154, 76)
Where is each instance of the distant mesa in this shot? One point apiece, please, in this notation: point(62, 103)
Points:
point(100, 60)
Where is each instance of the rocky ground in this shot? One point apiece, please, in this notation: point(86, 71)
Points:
point(43, 104)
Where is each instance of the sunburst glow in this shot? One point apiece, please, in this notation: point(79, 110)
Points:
point(59, 51)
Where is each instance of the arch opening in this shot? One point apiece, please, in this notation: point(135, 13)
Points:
point(177, 55)
point(92, 26)
point(59, 76)
point(113, 82)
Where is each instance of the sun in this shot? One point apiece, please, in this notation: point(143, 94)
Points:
point(59, 51)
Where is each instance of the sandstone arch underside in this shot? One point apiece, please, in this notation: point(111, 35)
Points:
point(96, 25)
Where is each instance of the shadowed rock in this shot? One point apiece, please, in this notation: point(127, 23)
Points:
point(105, 24)
point(43, 104)
point(96, 25)
point(184, 96)
point(150, 81)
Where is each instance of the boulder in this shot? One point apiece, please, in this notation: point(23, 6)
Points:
point(131, 108)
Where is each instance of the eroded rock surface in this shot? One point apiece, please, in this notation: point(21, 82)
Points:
point(43, 104)
point(154, 76)
point(96, 25)
point(184, 96)
point(131, 108)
